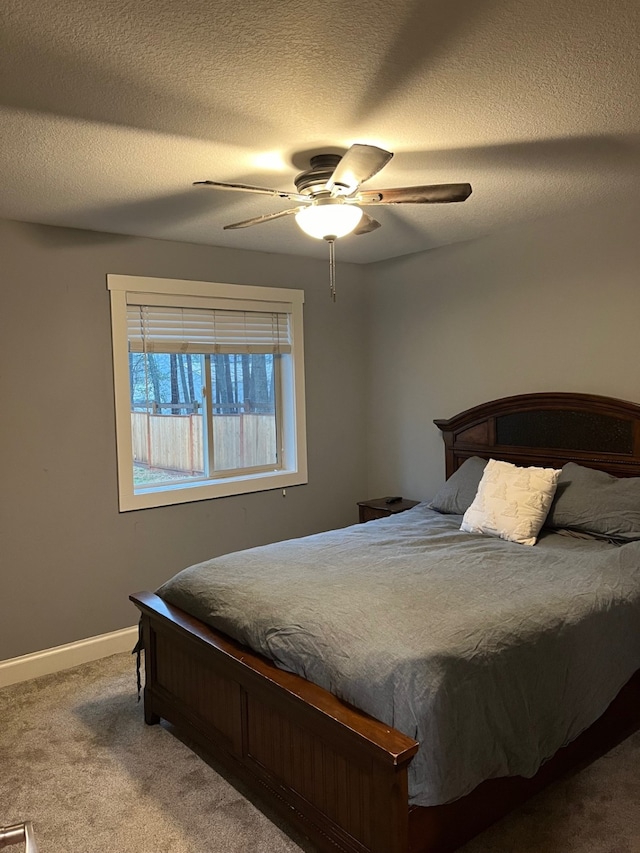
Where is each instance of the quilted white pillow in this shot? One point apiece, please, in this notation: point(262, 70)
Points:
point(511, 502)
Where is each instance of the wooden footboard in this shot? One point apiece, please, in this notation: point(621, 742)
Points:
point(336, 773)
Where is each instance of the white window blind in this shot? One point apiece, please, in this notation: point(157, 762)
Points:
point(162, 328)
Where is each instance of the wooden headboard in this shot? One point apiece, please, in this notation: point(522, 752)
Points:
point(548, 429)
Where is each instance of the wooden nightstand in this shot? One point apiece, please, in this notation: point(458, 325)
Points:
point(377, 508)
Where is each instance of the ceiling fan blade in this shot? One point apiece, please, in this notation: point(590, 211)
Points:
point(221, 185)
point(435, 194)
point(257, 220)
point(360, 163)
point(366, 224)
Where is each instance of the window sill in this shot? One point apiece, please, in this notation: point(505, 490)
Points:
point(199, 491)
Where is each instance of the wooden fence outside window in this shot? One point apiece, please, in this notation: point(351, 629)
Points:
point(175, 443)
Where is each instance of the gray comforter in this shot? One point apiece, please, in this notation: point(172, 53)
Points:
point(491, 654)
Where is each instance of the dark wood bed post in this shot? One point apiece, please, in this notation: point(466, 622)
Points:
point(333, 772)
point(150, 717)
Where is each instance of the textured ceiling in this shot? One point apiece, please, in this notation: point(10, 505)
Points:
point(109, 111)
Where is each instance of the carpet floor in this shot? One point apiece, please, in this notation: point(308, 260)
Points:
point(77, 759)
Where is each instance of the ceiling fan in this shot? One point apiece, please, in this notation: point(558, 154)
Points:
point(329, 199)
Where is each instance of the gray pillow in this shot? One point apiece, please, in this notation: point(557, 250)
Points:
point(457, 494)
point(596, 502)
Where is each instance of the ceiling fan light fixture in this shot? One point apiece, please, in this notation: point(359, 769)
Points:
point(330, 217)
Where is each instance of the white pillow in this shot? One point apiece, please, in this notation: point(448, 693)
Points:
point(511, 502)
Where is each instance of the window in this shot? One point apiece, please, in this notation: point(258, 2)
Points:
point(209, 389)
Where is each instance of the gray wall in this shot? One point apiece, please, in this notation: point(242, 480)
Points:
point(552, 305)
point(69, 559)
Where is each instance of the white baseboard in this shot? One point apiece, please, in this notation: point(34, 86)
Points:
point(64, 657)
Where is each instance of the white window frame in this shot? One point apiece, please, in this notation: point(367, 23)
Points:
point(292, 469)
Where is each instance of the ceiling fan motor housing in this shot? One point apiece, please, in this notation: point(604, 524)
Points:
point(314, 179)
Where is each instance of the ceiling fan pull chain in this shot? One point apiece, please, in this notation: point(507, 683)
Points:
point(332, 266)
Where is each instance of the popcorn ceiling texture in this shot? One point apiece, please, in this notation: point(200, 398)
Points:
point(110, 111)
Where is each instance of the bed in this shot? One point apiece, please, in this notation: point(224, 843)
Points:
point(341, 775)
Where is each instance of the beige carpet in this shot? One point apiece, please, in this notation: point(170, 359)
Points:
point(77, 760)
